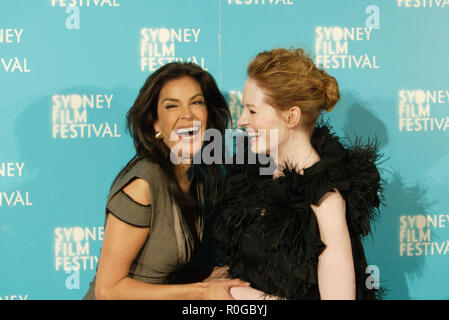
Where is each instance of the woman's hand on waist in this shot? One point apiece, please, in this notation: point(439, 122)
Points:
point(220, 289)
point(218, 273)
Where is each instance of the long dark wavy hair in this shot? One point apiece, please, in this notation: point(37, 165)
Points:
point(140, 124)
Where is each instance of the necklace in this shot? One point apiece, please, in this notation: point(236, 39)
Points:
point(301, 171)
point(278, 172)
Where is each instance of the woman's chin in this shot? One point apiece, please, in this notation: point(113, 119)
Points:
point(255, 148)
point(189, 147)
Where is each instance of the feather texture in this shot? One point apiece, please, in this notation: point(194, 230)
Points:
point(268, 232)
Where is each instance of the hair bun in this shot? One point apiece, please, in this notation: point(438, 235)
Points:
point(289, 77)
point(331, 92)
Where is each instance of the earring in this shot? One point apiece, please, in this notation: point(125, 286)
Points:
point(159, 135)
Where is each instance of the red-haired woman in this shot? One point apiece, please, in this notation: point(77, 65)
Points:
point(297, 234)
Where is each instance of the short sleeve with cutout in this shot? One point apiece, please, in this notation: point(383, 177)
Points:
point(128, 210)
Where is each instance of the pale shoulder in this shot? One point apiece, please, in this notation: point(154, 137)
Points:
point(331, 198)
point(331, 208)
point(139, 191)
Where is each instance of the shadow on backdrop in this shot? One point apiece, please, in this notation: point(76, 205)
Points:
point(69, 180)
point(356, 120)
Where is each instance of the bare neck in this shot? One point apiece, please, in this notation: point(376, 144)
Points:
point(181, 176)
point(296, 151)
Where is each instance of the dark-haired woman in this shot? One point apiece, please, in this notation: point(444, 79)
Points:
point(155, 212)
point(297, 234)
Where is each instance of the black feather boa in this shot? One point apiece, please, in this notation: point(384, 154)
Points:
point(268, 232)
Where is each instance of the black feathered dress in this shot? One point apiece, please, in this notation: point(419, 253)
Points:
point(267, 232)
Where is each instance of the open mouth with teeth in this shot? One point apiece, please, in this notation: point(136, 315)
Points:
point(252, 136)
point(188, 133)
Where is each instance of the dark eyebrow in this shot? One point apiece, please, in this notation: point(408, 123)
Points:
point(198, 94)
point(177, 100)
point(170, 99)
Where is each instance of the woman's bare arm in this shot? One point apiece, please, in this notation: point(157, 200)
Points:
point(121, 245)
point(336, 275)
point(248, 293)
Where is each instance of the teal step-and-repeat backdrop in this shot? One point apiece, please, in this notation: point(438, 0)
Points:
point(70, 70)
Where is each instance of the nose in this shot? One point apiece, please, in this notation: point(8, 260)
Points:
point(243, 120)
point(187, 113)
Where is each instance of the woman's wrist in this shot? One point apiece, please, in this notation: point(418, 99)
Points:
point(199, 291)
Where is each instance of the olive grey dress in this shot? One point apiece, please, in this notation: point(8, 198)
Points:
point(170, 243)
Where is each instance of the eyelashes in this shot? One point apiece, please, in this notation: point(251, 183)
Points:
point(250, 110)
point(196, 103)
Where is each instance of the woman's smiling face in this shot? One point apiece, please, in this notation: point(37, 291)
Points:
point(182, 115)
point(263, 124)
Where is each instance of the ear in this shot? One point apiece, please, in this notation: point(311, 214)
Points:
point(156, 127)
point(293, 116)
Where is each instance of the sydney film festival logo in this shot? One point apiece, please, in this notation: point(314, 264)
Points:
point(423, 4)
point(72, 9)
point(13, 38)
point(70, 116)
point(423, 110)
point(85, 3)
point(14, 297)
point(16, 198)
point(13, 173)
point(415, 235)
point(73, 251)
point(159, 46)
point(338, 47)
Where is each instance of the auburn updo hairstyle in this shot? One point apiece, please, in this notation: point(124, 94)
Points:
point(289, 77)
